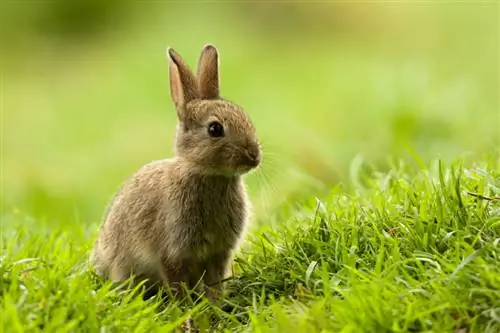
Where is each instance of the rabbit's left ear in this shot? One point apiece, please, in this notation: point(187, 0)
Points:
point(208, 73)
point(183, 83)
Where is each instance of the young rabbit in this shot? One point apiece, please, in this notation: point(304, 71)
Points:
point(179, 220)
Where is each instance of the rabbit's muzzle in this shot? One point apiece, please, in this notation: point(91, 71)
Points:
point(252, 156)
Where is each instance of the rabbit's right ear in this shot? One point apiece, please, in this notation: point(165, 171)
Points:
point(183, 84)
point(208, 73)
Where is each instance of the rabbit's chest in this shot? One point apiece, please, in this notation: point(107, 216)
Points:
point(212, 228)
point(215, 228)
point(207, 217)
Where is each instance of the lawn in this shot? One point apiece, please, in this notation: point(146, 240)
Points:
point(377, 207)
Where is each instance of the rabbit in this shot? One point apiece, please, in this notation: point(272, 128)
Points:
point(179, 221)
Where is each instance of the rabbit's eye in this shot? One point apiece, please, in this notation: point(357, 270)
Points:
point(215, 129)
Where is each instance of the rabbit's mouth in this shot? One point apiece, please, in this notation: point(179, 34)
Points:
point(242, 170)
point(248, 163)
point(250, 159)
point(235, 165)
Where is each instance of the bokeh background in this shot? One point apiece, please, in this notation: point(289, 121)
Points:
point(85, 96)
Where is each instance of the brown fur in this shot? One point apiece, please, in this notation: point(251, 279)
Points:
point(178, 220)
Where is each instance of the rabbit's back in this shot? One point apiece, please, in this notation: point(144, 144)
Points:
point(129, 229)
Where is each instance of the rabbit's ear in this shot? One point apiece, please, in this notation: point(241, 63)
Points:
point(208, 73)
point(183, 85)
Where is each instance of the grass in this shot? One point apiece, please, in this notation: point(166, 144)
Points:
point(414, 249)
point(339, 243)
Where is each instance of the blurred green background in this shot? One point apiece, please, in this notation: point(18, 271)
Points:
point(85, 96)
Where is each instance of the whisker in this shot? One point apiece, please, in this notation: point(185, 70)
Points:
point(270, 189)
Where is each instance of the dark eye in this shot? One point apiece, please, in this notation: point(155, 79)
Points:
point(215, 129)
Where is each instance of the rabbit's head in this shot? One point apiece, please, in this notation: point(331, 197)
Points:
point(213, 134)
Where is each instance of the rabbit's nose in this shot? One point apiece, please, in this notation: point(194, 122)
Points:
point(253, 154)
